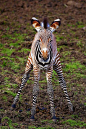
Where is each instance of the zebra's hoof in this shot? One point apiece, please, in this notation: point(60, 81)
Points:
point(54, 118)
point(70, 108)
point(13, 106)
point(32, 118)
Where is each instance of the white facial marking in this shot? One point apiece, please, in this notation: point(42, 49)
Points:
point(34, 18)
point(44, 49)
point(57, 20)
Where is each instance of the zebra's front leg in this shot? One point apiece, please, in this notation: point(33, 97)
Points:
point(25, 77)
point(35, 90)
point(50, 92)
point(24, 80)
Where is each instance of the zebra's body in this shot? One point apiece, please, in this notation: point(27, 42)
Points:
point(44, 56)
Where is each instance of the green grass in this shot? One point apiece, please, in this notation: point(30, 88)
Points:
point(25, 50)
point(9, 92)
point(12, 125)
point(75, 116)
point(1, 45)
point(7, 51)
point(78, 24)
point(7, 36)
point(4, 98)
point(48, 121)
point(10, 63)
point(63, 47)
point(66, 53)
point(9, 121)
point(55, 78)
point(20, 98)
point(15, 66)
point(73, 123)
point(85, 104)
point(72, 66)
point(28, 81)
point(33, 127)
point(43, 81)
point(75, 69)
point(15, 40)
point(59, 38)
point(14, 85)
point(79, 44)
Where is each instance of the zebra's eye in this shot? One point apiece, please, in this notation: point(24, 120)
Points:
point(40, 39)
point(49, 39)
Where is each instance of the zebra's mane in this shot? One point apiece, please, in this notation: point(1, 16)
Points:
point(45, 21)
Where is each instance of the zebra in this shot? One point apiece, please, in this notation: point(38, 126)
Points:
point(44, 56)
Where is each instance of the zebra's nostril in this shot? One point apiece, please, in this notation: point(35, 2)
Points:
point(45, 59)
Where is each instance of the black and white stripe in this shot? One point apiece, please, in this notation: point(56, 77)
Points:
point(39, 59)
point(58, 69)
point(24, 80)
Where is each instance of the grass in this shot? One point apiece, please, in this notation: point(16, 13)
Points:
point(75, 116)
point(9, 121)
point(74, 123)
point(72, 66)
point(9, 92)
point(1, 45)
point(10, 63)
point(66, 53)
point(12, 125)
point(25, 50)
point(78, 24)
point(59, 38)
point(4, 98)
point(85, 104)
point(79, 44)
point(74, 69)
point(7, 51)
point(33, 127)
point(15, 41)
point(63, 47)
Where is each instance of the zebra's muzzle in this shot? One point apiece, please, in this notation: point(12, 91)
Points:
point(45, 55)
point(46, 59)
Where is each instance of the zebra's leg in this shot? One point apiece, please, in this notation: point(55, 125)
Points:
point(50, 91)
point(35, 90)
point(24, 80)
point(57, 67)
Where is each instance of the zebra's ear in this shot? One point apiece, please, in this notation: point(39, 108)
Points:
point(36, 23)
point(55, 24)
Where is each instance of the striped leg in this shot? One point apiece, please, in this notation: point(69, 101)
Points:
point(24, 80)
point(50, 91)
point(58, 69)
point(35, 90)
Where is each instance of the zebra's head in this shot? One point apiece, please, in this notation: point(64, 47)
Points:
point(43, 44)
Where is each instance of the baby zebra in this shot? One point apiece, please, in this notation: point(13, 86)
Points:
point(44, 56)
